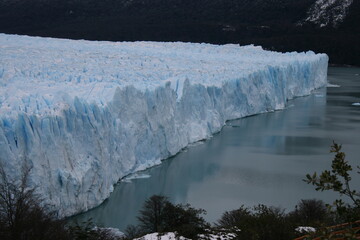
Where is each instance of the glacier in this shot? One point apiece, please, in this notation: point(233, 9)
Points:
point(83, 114)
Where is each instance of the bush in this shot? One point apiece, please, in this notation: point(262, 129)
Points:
point(87, 231)
point(311, 212)
point(259, 222)
point(132, 232)
point(185, 220)
point(234, 218)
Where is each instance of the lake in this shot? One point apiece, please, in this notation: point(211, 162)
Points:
point(258, 159)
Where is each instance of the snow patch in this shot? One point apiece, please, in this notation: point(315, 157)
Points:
point(157, 236)
point(328, 12)
point(305, 229)
point(172, 236)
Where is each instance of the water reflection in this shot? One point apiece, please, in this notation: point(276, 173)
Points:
point(259, 159)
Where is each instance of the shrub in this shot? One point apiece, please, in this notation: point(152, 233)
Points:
point(151, 215)
point(338, 179)
point(311, 212)
point(185, 220)
point(88, 231)
point(259, 222)
point(132, 232)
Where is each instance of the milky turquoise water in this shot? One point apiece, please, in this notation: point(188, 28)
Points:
point(259, 159)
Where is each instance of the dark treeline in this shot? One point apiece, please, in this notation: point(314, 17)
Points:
point(260, 222)
point(270, 23)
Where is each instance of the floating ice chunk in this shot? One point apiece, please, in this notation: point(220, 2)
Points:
point(290, 106)
point(356, 104)
point(133, 176)
point(111, 189)
point(329, 85)
point(165, 236)
point(195, 144)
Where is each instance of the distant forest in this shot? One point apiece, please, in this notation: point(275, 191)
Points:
point(272, 24)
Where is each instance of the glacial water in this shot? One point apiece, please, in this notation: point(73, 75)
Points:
point(258, 159)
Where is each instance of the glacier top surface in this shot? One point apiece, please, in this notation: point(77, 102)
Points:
point(41, 75)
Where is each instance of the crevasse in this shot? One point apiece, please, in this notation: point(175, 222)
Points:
point(84, 114)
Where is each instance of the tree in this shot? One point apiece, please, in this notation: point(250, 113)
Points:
point(21, 215)
point(338, 179)
point(234, 217)
point(311, 212)
point(259, 222)
point(151, 215)
point(158, 214)
point(185, 220)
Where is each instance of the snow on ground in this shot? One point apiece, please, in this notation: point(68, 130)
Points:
point(156, 236)
point(305, 229)
point(328, 12)
point(172, 236)
point(83, 114)
point(329, 85)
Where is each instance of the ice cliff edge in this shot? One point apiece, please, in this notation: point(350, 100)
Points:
point(84, 114)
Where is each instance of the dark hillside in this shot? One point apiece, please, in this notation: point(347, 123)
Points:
point(271, 23)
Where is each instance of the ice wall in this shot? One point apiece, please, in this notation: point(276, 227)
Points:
point(84, 114)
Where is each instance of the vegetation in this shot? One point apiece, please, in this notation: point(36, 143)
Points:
point(24, 216)
point(21, 215)
point(88, 231)
point(262, 222)
point(152, 215)
point(338, 179)
point(311, 212)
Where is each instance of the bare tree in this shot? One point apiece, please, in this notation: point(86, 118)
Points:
point(151, 215)
point(21, 213)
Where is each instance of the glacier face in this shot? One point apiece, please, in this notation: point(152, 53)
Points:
point(84, 114)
